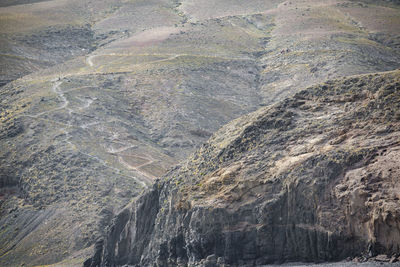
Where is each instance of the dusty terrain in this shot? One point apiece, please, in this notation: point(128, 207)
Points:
point(102, 97)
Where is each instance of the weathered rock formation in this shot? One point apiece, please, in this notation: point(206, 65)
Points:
point(315, 177)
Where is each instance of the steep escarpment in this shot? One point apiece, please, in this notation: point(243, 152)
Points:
point(312, 178)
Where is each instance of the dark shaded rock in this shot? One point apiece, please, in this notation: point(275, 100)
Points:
point(96, 259)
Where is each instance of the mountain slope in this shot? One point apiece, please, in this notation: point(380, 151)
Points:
point(38, 34)
point(90, 129)
point(312, 178)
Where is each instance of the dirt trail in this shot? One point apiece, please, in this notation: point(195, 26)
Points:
point(142, 39)
point(126, 146)
point(148, 176)
point(66, 130)
point(89, 60)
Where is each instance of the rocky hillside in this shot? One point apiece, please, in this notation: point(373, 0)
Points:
point(37, 34)
point(312, 178)
point(118, 91)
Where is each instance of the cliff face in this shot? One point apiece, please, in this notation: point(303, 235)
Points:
point(312, 178)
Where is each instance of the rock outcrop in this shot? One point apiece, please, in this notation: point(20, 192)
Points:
point(312, 178)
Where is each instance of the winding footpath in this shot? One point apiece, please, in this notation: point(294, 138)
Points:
point(144, 179)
